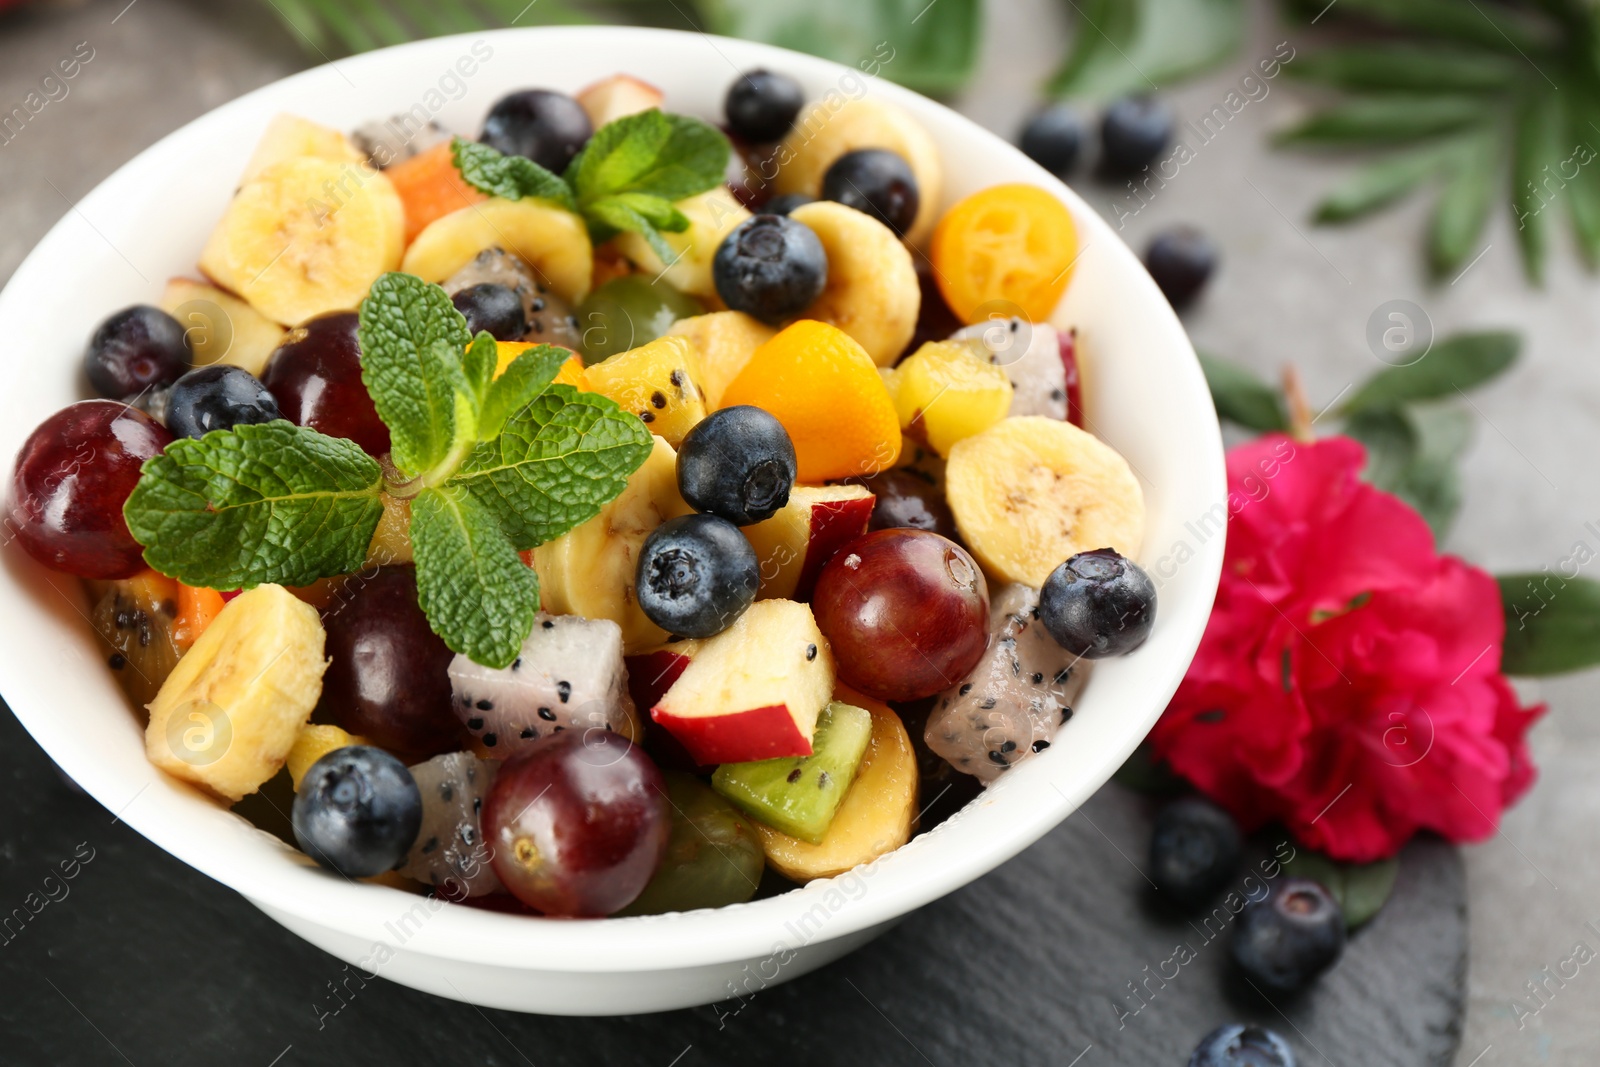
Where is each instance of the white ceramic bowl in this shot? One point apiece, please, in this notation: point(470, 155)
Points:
point(1144, 395)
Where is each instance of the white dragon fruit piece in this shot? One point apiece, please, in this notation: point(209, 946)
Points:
point(1013, 702)
point(449, 853)
point(569, 677)
point(1030, 354)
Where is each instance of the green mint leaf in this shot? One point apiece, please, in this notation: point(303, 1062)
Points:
point(556, 463)
point(272, 502)
point(1453, 365)
point(412, 343)
point(527, 377)
point(475, 590)
point(1552, 621)
point(614, 213)
point(1242, 397)
point(508, 177)
point(478, 365)
point(666, 156)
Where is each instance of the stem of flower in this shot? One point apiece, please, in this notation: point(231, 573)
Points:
point(1299, 410)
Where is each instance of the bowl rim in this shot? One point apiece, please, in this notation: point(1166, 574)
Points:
point(895, 884)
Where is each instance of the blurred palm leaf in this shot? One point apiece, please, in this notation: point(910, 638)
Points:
point(1139, 46)
point(340, 26)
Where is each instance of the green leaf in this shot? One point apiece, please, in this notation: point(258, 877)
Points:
point(1391, 119)
point(1360, 888)
point(1143, 773)
point(1380, 183)
point(475, 590)
point(1492, 26)
point(522, 383)
point(508, 177)
point(477, 366)
point(1130, 46)
point(1242, 397)
point(932, 47)
point(1552, 623)
point(1405, 67)
point(271, 502)
point(1461, 362)
point(1462, 210)
point(1583, 190)
point(1415, 453)
point(556, 463)
point(661, 155)
point(620, 214)
point(1537, 149)
point(412, 344)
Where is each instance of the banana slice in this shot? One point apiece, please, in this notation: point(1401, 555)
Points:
point(553, 242)
point(307, 236)
point(829, 129)
point(725, 341)
point(872, 292)
point(221, 328)
point(292, 137)
point(712, 216)
point(228, 715)
point(1029, 492)
point(590, 570)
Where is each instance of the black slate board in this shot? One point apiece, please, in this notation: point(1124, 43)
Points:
point(141, 960)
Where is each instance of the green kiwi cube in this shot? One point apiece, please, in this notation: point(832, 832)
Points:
point(799, 795)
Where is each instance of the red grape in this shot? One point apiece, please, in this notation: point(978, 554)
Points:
point(315, 374)
point(577, 823)
point(906, 611)
point(72, 477)
point(389, 680)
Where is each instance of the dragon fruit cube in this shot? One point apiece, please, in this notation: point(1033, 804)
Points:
point(1030, 354)
point(450, 853)
point(1013, 702)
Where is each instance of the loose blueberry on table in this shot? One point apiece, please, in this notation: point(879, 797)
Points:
point(541, 464)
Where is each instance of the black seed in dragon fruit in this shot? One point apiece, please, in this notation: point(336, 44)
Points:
point(1013, 702)
point(1030, 354)
point(569, 676)
point(449, 853)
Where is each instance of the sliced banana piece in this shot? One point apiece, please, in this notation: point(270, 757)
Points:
point(307, 236)
point(1029, 492)
point(228, 715)
point(872, 292)
point(591, 569)
point(292, 137)
point(829, 129)
point(712, 216)
point(221, 328)
point(555, 243)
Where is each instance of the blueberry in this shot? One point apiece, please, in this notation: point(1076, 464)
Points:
point(1195, 850)
point(771, 267)
point(138, 348)
point(1098, 604)
point(1238, 1045)
point(877, 182)
point(1133, 133)
point(697, 575)
point(1181, 260)
point(787, 202)
point(737, 463)
point(1053, 138)
point(761, 106)
point(357, 811)
point(216, 398)
point(546, 127)
point(492, 307)
point(1289, 937)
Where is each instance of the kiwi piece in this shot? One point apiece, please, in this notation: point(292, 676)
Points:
point(799, 795)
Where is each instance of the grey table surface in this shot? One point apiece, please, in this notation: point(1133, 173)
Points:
point(1287, 292)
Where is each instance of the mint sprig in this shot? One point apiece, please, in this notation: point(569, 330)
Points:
point(626, 179)
point(492, 467)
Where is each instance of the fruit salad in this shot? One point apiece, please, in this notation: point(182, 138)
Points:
point(613, 513)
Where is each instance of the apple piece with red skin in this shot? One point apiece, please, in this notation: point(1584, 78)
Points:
point(650, 675)
point(617, 97)
point(1069, 361)
point(794, 544)
point(754, 691)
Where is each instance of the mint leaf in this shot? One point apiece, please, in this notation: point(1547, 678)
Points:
point(478, 364)
point(508, 177)
point(272, 502)
point(665, 156)
point(556, 463)
point(527, 377)
point(628, 213)
point(412, 339)
point(477, 593)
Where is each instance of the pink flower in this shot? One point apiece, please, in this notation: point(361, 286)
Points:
point(1348, 685)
